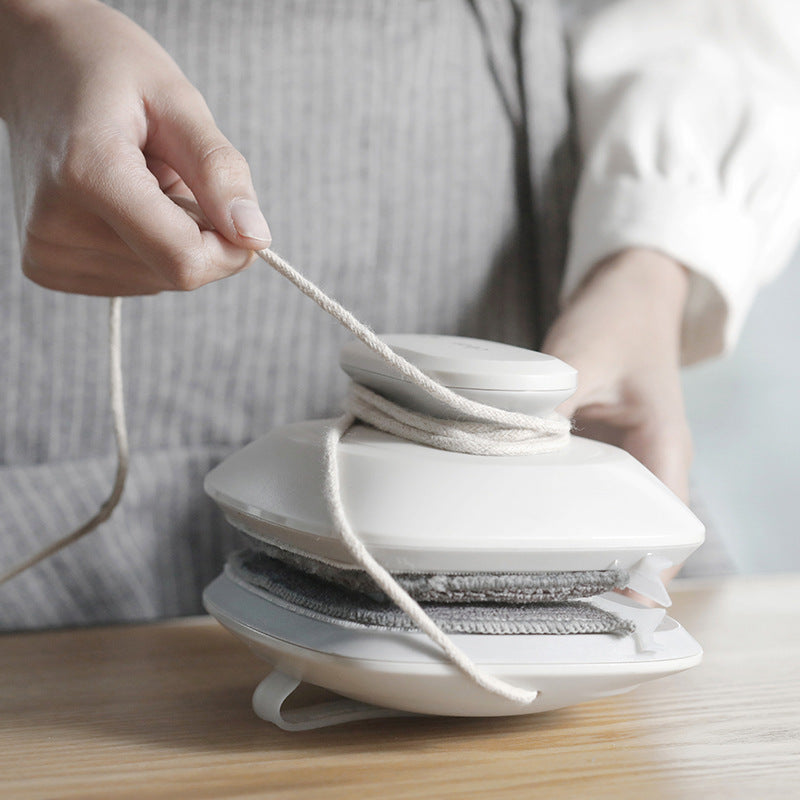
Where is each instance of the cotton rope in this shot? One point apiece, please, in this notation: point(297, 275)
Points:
point(120, 437)
point(461, 436)
point(485, 431)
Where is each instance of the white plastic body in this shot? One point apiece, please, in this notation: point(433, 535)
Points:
point(587, 506)
point(405, 671)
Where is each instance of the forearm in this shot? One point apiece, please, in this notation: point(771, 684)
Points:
point(644, 286)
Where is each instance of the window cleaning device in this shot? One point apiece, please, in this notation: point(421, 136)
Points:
point(517, 562)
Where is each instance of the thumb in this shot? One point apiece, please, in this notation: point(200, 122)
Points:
point(186, 138)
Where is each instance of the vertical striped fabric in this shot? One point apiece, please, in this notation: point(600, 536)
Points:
point(412, 158)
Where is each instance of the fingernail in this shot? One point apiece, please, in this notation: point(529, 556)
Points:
point(249, 221)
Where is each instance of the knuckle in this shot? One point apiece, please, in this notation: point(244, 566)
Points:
point(222, 161)
point(87, 172)
point(185, 270)
point(235, 266)
point(83, 163)
point(192, 97)
point(76, 169)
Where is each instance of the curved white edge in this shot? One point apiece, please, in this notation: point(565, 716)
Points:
point(406, 672)
point(563, 556)
point(593, 503)
point(462, 362)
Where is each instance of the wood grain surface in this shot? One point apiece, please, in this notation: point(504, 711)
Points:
point(163, 711)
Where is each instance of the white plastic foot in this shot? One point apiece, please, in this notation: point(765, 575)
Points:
point(272, 692)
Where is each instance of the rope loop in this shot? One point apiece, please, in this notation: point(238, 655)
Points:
point(475, 437)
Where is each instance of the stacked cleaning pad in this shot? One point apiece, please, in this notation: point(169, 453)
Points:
point(511, 603)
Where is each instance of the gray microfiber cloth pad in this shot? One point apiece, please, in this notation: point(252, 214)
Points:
point(315, 597)
point(476, 587)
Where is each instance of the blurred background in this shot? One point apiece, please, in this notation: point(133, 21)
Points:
point(742, 411)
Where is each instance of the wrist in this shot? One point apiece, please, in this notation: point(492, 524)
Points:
point(647, 274)
point(630, 304)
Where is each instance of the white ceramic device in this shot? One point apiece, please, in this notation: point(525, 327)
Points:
point(585, 507)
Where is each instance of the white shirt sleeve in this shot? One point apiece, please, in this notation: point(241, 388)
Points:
point(689, 126)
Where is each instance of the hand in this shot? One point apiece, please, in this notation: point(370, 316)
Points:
point(621, 331)
point(102, 125)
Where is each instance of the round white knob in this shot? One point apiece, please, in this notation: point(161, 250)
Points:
point(499, 375)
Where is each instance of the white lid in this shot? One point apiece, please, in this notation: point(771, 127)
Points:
point(464, 363)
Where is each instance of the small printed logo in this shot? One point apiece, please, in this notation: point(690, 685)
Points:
point(471, 346)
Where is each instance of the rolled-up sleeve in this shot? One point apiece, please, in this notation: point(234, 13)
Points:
point(689, 124)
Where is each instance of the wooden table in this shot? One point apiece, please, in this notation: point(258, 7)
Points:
point(163, 711)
